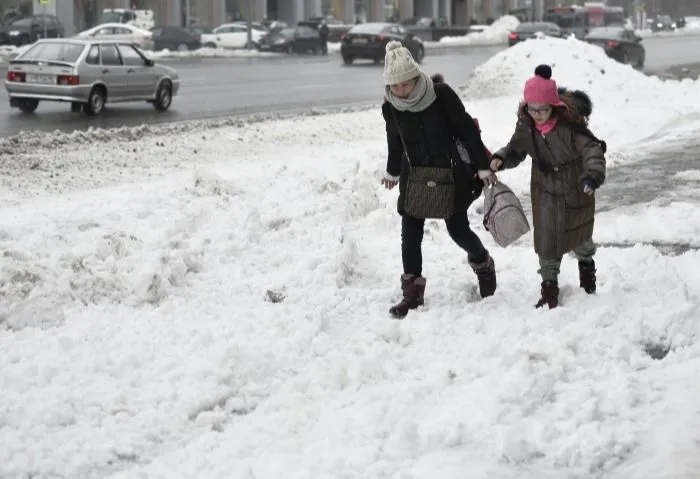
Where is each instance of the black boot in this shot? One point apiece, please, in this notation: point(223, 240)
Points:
point(586, 276)
point(549, 294)
point(413, 288)
point(486, 275)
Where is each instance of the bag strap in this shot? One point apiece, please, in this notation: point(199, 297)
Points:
point(585, 131)
point(398, 129)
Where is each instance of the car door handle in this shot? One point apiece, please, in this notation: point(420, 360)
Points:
point(106, 70)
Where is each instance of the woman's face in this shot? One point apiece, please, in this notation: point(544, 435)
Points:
point(540, 112)
point(402, 90)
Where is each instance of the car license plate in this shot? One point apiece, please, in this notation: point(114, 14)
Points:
point(359, 40)
point(42, 79)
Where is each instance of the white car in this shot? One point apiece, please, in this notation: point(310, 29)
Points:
point(234, 35)
point(120, 32)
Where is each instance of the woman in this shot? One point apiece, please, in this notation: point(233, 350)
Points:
point(568, 165)
point(427, 117)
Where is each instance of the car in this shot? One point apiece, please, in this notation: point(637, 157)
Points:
point(26, 30)
point(620, 43)
point(174, 39)
point(531, 29)
point(88, 74)
point(235, 35)
point(120, 32)
point(368, 41)
point(293, 40)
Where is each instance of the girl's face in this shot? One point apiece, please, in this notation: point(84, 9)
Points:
point(540, 112)
point(402, 90)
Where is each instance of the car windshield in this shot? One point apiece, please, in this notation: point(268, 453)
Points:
point(371, 28)
point(63, 52)
point(605, 32)
point(286, 32)
point(111, 17)
point(24, 22)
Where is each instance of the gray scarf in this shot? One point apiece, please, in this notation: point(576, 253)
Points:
point(422, 96)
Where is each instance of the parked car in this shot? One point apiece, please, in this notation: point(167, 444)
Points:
point(26, 30)
point(175, 39)
point(662, 23)
point(619, 43)
point(531, 29)
point(120, 32)
point(368, 41)
point(293, 40)
point(206, 35)
point(235, 35)
point(88, 73)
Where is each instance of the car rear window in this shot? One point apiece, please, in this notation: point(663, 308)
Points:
point(64, 52)
point(372, 28)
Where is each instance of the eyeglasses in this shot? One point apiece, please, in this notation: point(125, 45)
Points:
point(539, 111)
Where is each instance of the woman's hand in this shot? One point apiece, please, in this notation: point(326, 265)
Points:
point(496, 164)
point(389, 181)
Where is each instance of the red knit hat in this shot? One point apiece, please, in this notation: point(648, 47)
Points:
point(541, 88)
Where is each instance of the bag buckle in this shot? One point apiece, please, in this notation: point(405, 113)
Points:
point(431, 184)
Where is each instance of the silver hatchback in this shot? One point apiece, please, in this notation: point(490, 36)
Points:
point(88, 74)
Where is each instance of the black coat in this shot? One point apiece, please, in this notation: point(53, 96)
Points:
point(429, 137)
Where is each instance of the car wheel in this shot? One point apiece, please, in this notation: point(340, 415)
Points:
point(209, 45)
point(164, 96)
point(420, 54)
point(290, 49)
point(75, 107)
point(348, 60)
point(182, 47)
point(96, 101)
point(27, 105)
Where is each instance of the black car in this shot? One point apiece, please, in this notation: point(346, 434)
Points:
point(531, 29)
point(662, 23)
point(26, 30)
point(174, 39)
point(368, 41)
point(619, 43)
point(292, 40)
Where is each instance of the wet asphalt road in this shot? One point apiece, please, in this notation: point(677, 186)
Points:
point(214, 88)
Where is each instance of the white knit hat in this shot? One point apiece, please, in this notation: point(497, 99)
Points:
point(399, 65)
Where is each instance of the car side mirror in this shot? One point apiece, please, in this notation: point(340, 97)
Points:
point(637, 39)
point(149, 62)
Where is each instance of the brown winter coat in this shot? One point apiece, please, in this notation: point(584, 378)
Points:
point(562, 213)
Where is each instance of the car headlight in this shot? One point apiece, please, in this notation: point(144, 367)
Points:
point(14, 32)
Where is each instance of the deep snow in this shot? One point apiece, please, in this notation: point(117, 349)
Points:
point(212, 303)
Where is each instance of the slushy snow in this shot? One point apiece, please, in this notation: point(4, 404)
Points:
point(214, 304)
point(494, 34)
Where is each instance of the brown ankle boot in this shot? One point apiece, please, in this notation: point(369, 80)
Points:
point(550, 295)
point(413, 288)
point(486, 275)
point(586, 276)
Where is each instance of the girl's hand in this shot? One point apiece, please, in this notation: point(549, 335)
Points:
point(496, 164)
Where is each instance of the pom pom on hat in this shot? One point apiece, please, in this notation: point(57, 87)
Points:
point(393, 45)
point(544, 71)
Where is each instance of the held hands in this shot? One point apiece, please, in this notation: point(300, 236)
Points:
point(488, 177)
point(496, 164)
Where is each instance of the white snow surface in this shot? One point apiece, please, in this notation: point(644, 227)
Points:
point(494, 34)
point(213, 303)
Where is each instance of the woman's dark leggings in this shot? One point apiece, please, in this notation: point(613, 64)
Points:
point(457, 227)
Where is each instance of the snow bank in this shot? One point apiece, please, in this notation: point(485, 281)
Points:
point(217, 308)
point(622, 96)
point(494, 34)
point(205, 52)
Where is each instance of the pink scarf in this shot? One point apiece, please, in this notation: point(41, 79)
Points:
point(547, 126)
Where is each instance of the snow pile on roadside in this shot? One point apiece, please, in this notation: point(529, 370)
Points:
point(617, 90)
point(494, 34)
point(181, 340)
point(206, 52)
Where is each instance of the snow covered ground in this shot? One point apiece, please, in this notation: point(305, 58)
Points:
point(213, 304)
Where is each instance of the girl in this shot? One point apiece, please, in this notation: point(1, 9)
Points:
point(568, 165)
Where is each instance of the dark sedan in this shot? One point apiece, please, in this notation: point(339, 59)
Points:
point(292, 40)
point(531, 29)
point(620, 44)
point(174, 39)
point(368, 41)
point(26, 30)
